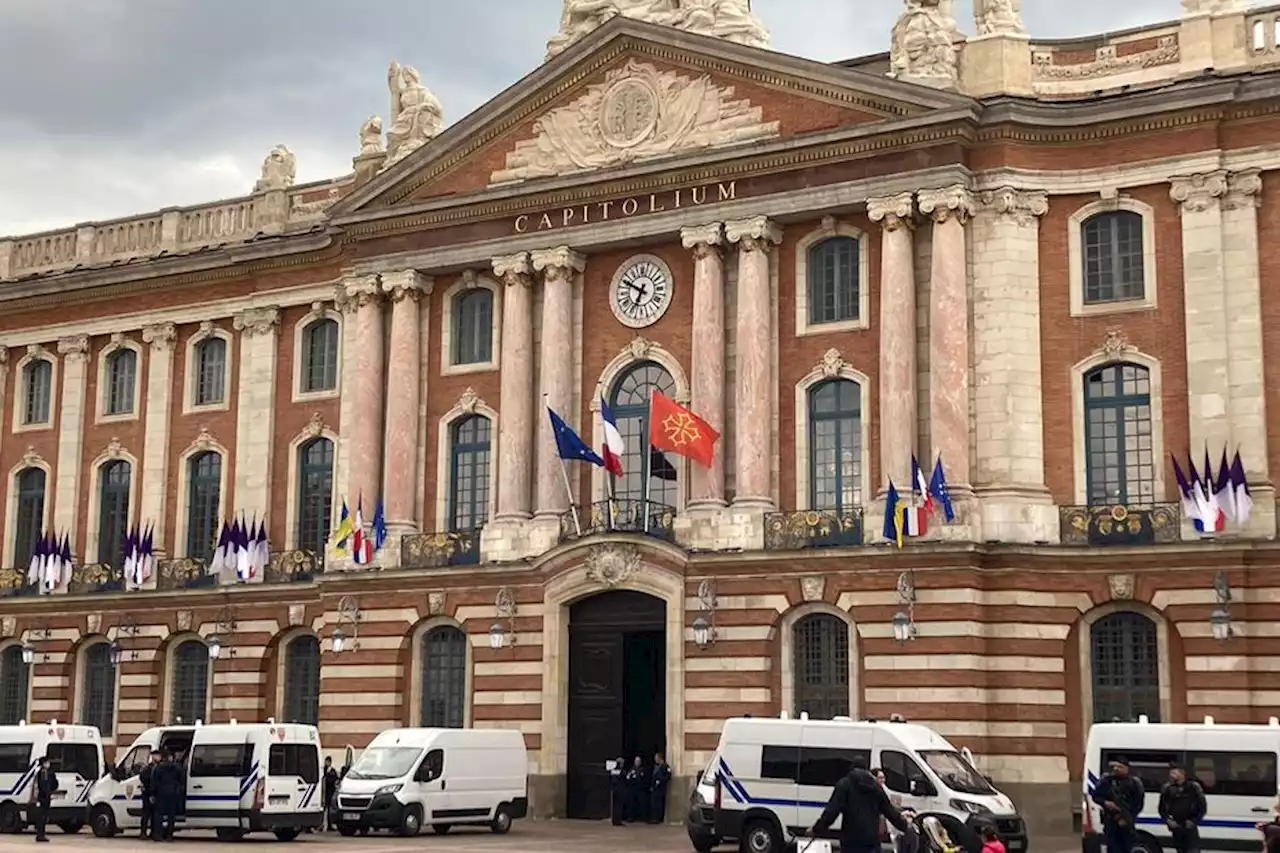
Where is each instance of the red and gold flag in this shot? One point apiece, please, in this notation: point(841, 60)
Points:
point(674, 428)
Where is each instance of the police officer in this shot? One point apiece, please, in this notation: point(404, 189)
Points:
point(330, 788)
point(1121, 797)
point(637, 790)
point(169, 783)
point(1182, 807)
point(46, 784)
point(617, 791)
point(658, 783)
point(148, 793)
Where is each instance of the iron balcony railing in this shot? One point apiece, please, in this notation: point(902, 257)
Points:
point(1120, 524)
point(438, 550)
point(647, 518)
point(813, 528)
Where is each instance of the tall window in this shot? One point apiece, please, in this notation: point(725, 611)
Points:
point(302, 680)
point(833, 280)
point(98, 689)
point(211, 371)
point(1119, 455)
point(189, 696)
point(630, 404)
point(122, 372)
point(31, 489)
point(821, 666)
point(1112, 246)
point(37, 391)
point(473, 326)
point(113, 510)
point(1126, 668)
point(835, 445)
point(13, 686)
point(469, 473)
point(315, 494)
point(320, 355)
point(204, 503)
point(444, 677)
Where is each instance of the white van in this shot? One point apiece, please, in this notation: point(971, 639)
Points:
point(75, 756)
point(443, 778)
point(770, 779)
point(245, 778)
point(1235, 764)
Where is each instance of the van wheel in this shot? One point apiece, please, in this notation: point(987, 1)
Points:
point(410, 823)
point(501, 823)
point(229, 833)
point(703, 846)
point(346, 831)
point(71, 827)
point(286, 834)
point(103, 821)
point(441, 828)
point(759, 836)
point(10, 818)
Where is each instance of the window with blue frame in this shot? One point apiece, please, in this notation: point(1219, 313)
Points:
point(320, 356)
point(31, 484)
point(1113, 257)
point(204, 503)
point(473, 326)
point(835, 445)
point(114, 479)
point(833, 267)
point(469, 467)
point(1120, 465)
point(315, 494)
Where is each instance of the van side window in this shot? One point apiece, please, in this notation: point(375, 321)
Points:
point(1149, 766)
point(219, 760)
point(900, 770)
point(1234, 774)
point(294, 759)
point(780, 762)
point(132, 764)
point(81, 758)
point(15, 757)
point(824, 766)
point(432, 767)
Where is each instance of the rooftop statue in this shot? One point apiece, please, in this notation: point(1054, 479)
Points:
point(416, 115)
point(731, 20)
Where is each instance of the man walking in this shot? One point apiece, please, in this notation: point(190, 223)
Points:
point(1121, 797)
point(859, 801)
point(658, 783)
point(330, 788)
point(42, 796)
point(1182, 807)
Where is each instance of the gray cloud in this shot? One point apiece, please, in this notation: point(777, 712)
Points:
point(118, 107)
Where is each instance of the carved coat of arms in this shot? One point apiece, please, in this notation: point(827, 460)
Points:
point(611, 565)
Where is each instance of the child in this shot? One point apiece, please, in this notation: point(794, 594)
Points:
point(991, 842)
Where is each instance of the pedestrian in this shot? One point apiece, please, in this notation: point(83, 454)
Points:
point(42, 796)
point(1271, 833)
point(617, 792)
point(858, 801)
point(330, 788)
point(1182, 807)
point(637, 791)
point(991, 842)
point(658, 783)
point(1121, 797)
point(148, 793)
point(170, 784)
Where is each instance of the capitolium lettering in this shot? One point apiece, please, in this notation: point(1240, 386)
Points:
point(604, 211)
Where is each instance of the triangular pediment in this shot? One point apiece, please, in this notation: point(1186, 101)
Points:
point(633, 93)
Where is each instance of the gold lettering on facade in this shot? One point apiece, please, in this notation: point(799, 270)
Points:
point(567, 217)
point(630, 206)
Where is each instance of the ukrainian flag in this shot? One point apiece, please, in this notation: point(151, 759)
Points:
point(342, 534)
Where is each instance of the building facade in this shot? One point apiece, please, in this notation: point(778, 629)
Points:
point(1044, 262)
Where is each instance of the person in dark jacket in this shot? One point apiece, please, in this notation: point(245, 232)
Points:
point(1121, 797)
point(330, 788)
point(618, 792)
point(659, 780)
point(1182, 807)
point(859, 801)
point(42, 796)
point(148, 794)
point(637, 791)
point(170, 785)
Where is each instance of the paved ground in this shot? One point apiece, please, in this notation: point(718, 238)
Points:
point(526, 836)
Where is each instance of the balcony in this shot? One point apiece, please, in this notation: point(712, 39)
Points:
point(96, 577)
point(1119, 525)
point(296, 566)
point(13, 583)
point(646, 518)
point(439, 550)
point(814, 528)
point(184, 573)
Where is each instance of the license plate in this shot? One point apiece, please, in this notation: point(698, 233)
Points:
point(351, 815)
point(58, 796)
point(1015, 845)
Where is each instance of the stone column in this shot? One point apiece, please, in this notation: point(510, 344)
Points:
point(753, 415)
point(558, 267)
point(71, 412)
point(515, 442)
point(707, 368)
point(949, 332)
point(1205, 307)
point(155, 442)
point(898, 419)
point(365, 381)
point(404, 391)
point(255, 409)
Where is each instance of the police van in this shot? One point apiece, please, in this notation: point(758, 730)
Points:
point(1234, 764)
point(770, 779)
point(75, 756)
point(241, 778)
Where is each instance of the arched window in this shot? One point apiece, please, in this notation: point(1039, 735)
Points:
point(113, 510)
point(473, 326)
point(320, 355)
point(211, 372)
point(835, 445)
point(1126, 668)
point(37, 391)
point(13, 686)
point(122, 374)
point(204, 503)
point(31, 484)
point(444, 677)
point(833, 280)
point(821, 666)
point(629, 400)
point(98, 689)
point(315, 493)
point(302, 680)
point(1112, 246)
point(1119, 455)
point(469, 473)
point(189, 696)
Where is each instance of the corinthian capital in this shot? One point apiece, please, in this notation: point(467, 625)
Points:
point(75, 347)
point(558, 263)
point(514, 269)
point(947, 202)
point(257, 321)
point(892, 211)
point(756, 234)
point(406, 284)
point(1022, 206)
point(1198, 193)
point(160, 337)
point(1244, 189)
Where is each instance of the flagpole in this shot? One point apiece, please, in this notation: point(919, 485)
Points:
point(568, 490)
point(647, 462)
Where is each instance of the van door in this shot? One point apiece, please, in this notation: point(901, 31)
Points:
point(17, 770)
point(77, 767)
point(127, 799)
point(827, 754)
point(429, 788)
point(1239, 781)
point(293, 778)
point(909, 784)
point(219, 777)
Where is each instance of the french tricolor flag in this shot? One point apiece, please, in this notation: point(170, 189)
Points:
point(361, 544)
point(614, 446)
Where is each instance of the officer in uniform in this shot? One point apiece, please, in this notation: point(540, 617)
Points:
point(148, 793)
point(617, 792)
point(638, 791)
point(658, 783)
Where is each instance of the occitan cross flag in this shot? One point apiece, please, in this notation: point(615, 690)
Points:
point(674, 428)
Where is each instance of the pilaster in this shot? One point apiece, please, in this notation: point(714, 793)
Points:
point(71, 414)
point(363, 379)
point(255, 409)
point(707, 365)
point(153, 505)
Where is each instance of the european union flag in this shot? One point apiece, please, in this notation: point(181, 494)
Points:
point(569, 444)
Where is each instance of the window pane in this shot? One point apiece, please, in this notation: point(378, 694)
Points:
point(630, 404)
point(302, 681)
point(122, 371)
point(473, 327)
point(469, 474)
point(204, 503)
point(821, 666)
point(1120, 463)
point(833, 280)
point(211, 371)
point(320, 366)
point(1113, 257)
point(835, 445)
point(444, 678)
point(13, 686)
point(98, 689)
point(315, 485)
point(190, 692)
point(1126, 668)
point(30, 520)
point(38, 382)
point(113, 510)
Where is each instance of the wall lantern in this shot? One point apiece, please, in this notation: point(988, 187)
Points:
point(224, 623)
point(704, 626)
point(349, 615)
point(904, 621)
point(501, 635)
point(1220, 619)
point(39, 632)
point(127, 628)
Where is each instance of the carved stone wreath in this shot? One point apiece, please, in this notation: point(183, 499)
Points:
point(611, 564)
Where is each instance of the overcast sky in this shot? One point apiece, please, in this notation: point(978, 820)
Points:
point(115, 107)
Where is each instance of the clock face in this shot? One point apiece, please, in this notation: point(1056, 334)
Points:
point(641, 292)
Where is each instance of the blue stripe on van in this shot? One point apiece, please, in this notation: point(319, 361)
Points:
point(1091, 785)
point(23, 781)
point(306, 798)
point(739, 792)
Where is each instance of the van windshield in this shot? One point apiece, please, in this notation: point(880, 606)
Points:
point(385, 762)
point(956, 773)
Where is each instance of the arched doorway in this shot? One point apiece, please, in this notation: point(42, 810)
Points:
point(617, 691)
